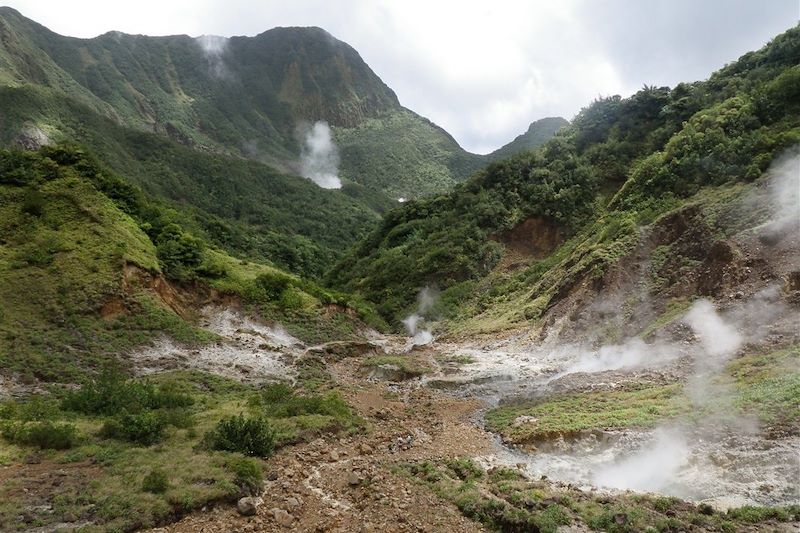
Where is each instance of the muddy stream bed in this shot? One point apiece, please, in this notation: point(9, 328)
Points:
point(698, 460)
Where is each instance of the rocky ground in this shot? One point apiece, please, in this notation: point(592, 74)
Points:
point(352, 483)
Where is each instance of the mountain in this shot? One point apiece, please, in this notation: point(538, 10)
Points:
point(242, 96)
point(538, 133)
point(525, 235)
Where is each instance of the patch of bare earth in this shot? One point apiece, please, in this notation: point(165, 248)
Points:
point(349, 483)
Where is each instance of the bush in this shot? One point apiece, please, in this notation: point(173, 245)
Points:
point(45, 435)
point(249, 436)
point(143, 428)
point(155, 482)
point(33, 202)
point(279, 401)
point(247, 472)
point(112, 393)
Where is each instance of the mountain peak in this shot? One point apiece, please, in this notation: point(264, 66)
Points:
point(539, 132)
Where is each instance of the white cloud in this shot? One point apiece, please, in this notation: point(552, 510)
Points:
point(482, 70)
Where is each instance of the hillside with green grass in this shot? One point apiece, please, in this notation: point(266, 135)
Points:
point(593, 189)
point(91, 267)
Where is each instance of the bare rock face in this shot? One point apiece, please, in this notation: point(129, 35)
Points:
point(32, 138)
point(535, 236)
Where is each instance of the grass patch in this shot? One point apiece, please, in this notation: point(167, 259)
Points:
point(768, 385)
point(635, 406)
point(298, 417)
point(455, 359)
point(406, 365)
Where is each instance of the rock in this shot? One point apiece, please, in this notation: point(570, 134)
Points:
point(292, 502)
point(525, 420)
point(283, 518)
point(334, 455)
point(31, 138)
point(353, 479)
point(365, 448)
point(247, 506)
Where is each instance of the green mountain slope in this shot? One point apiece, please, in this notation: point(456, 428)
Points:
point(243, 96)
point(575, 207)
point(244, 206)
point(538, 133)
point(90, 266)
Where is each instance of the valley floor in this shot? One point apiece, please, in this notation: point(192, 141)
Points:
point(426, 462)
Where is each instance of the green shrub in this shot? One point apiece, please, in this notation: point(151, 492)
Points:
point(112, 393)
point(247, 473)
point(277, 393)
point(45, 435)
point(180, 418)
point(247, 435)
point(33, 202)
point(273, 284)
point(155, 482)
point(143, 428)
point(754, 515)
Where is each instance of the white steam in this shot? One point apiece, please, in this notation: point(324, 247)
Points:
point(214, 48)
point(653, 469)
point(319, 158)
point(657, 465)
point(420, 336)
point(632, 353)
point(784, 189)
point(719, 339)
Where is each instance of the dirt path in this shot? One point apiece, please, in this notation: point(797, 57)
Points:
point(348, 484)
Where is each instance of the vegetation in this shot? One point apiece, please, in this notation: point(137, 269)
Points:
point(407, 366)
point(69, 300)
point(121, 483)
point(504, 500)
point(247, 435)
point(538, 133)
point(632, 406)
point(764, 385)
point(46, 435)
point(620, 165)
point(403, 155)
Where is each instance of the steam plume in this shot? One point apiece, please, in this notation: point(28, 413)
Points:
point(654, 469)
point(319, 159)
point(425, 300)
point(784, 188)
point(214, 48)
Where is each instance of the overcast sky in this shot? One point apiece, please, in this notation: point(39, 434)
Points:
point(483, 70)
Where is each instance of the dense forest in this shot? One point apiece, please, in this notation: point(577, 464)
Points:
point(619, 165)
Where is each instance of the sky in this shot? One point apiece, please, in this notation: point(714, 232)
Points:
point(483, 70)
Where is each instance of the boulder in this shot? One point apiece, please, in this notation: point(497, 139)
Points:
point(248, 506)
